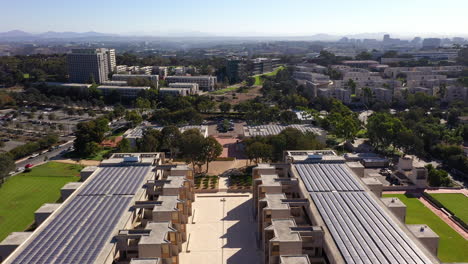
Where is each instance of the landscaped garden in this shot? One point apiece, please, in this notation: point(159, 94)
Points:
point(452, 246)
point(240, 182)
point(23, 194)
point(206, 182)
point(457, 203)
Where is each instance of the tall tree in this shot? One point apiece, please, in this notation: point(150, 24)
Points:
point(6, 165)
point(192, 146)
point(171, 138)
point(211, 150)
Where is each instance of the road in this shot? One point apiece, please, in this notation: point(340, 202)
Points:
point(50, 155)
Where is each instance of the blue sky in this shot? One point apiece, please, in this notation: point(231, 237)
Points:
point(238, 17)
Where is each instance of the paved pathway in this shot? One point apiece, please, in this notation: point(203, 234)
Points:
point(222, 232)
point(444, 217)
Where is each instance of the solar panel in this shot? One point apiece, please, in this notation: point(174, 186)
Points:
point(363, 231)
point(327, 177)
point(82, 228)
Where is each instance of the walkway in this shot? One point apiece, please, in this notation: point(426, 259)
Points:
point(223, 231)
point(444, 217)
point(436, 210)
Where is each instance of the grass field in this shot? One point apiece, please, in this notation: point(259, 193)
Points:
point(452, 246)
point(225, 90)
point(258, 79)
point(23, 194)
point(455, 202)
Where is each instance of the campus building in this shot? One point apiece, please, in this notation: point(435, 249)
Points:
point(123, 91)
point(136, 133)
point(314, 208)
point(131, 209)
point(206, 83)
point(88, 65)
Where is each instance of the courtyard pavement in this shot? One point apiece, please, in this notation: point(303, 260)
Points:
point(223, 231)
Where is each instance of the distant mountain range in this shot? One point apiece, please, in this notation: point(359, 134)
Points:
point(18, 35)
point(22, 35)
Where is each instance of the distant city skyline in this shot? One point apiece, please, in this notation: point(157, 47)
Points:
point(239, 18)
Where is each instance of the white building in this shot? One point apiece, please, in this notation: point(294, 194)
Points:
point(204, 82)
point(124, 91)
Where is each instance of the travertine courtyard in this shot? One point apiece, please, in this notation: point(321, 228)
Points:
point(221, 230)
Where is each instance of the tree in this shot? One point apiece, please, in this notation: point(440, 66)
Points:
point(90, 132)
point(7, 164)
point(383, 130)
point(133, 118)
point(364, 56)
point(352, 86)
point(192, 146)
point(259, 151)
point(52, 117)
point(250, 81)
point(124, 146)
point(225, 107)
point(142, 104)
point(171, 138)
point(150, 141)
point(211, 150)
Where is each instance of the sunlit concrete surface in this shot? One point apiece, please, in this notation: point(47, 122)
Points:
point(222, 231)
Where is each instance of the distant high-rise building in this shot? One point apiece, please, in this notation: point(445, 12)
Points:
point(111, 61)
point(431, 43)
point(88, 65)
point(386, 38)
point(416, 41)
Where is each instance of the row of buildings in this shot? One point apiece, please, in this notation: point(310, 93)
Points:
point(98, 65)
point(133, 208)
point(318, 208)
point(385, 83)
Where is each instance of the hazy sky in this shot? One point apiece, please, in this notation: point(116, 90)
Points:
point(237, 17)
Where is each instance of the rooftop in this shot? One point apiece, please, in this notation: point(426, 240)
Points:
point(266, 130)
point(80, 229)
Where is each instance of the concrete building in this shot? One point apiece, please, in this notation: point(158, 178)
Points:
point(123, 91)
point(174, 91)
point(88, 65)
point(431, 43)
point(126, 77)
point(262, 65)
point(383, 95)
point(416, 173)
point(115, 83)
point(360, 63)
point(193, 88)
point(314, 209)
point(206, 83)
point(111, 60)
point(456, 93)
point(266, 130)
point(80, 86)
point(134, 134)
point(87, 226)
point(341, 94)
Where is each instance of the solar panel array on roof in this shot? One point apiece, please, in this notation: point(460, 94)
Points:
point(363, 231)
point(265, 130)
point(78, 233)
point(82, 227)
point(327, 177)
point(116, 180)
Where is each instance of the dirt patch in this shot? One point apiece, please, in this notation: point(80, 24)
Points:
point(81, 162)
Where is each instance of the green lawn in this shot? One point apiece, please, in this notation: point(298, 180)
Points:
point(23, 194)
point(258, 79)
point(225, 90)
point(455, 202)
point(452, 246)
